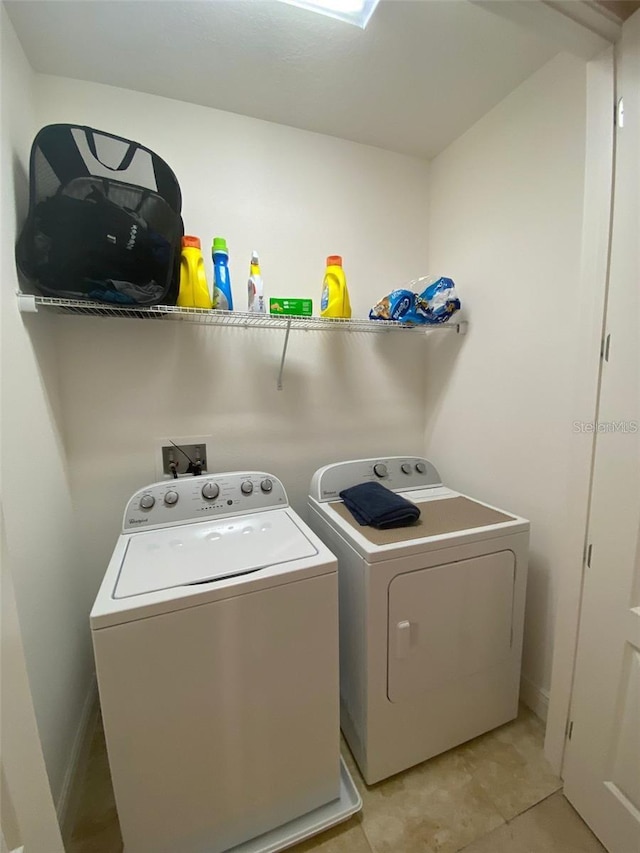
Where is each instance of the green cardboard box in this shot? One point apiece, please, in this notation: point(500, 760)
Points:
point(297, 307)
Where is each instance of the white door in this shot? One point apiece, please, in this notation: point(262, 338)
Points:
point(602, 763)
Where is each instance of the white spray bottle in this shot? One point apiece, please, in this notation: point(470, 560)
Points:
point(255, 286)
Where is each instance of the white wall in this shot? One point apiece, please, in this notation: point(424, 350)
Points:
point(27, 813)
point(38, 514)
point(505, 222)
point(91, 395)
point(295, 197)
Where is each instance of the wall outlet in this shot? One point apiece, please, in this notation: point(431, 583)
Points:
point(187, 454)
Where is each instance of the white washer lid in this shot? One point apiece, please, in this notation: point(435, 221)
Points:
point(209, 551)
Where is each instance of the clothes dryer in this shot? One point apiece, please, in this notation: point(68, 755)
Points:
point(431, 615)
point(215, 634)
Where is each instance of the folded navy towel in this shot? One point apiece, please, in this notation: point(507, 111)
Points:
point(373, 504)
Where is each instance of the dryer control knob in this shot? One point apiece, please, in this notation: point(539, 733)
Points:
point(210, 491)
point(171, 498)
point(380, 470)
point(405, 468)
point(266, 485)
point(421, 468)
point(147, 501)
point(247, 487)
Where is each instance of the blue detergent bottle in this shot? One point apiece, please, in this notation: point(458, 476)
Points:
point(222, 298)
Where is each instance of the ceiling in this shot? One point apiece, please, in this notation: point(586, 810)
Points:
point(419, 75)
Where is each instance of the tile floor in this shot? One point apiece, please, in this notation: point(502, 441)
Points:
point(494, 794)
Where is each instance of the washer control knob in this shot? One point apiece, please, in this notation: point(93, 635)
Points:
point(147, 501)
point(247, 487)
point(380, 470)
point(171, 498)
point(405, 468)
point(210, 491)
point(421, 468)
point(266, 485)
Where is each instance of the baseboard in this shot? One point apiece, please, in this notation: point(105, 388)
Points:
point(66, 806)
point(534, 697)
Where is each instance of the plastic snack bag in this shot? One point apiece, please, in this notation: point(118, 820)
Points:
point(430, 300)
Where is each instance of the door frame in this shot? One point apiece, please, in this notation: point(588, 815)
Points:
point(594, 270)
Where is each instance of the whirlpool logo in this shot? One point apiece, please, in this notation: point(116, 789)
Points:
point(138, 521)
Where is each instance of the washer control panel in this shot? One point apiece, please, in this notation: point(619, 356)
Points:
point(197, 498)
point(398, 473)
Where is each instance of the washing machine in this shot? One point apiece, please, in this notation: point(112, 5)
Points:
point(431, 615)
point(215, 634)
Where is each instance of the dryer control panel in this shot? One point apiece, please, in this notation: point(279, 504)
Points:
point(198, 498)
point(398, 473)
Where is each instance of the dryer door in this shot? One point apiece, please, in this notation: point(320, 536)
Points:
point(448, 623)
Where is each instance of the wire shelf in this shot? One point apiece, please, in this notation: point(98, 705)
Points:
point(239, 319)
point(29, 303)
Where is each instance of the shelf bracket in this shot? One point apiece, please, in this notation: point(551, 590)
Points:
point(27, 303)
point(284, 354)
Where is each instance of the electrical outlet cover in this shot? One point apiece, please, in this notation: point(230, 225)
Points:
point(189, 444)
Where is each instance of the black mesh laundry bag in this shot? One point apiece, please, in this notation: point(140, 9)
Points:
point(104, 219)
